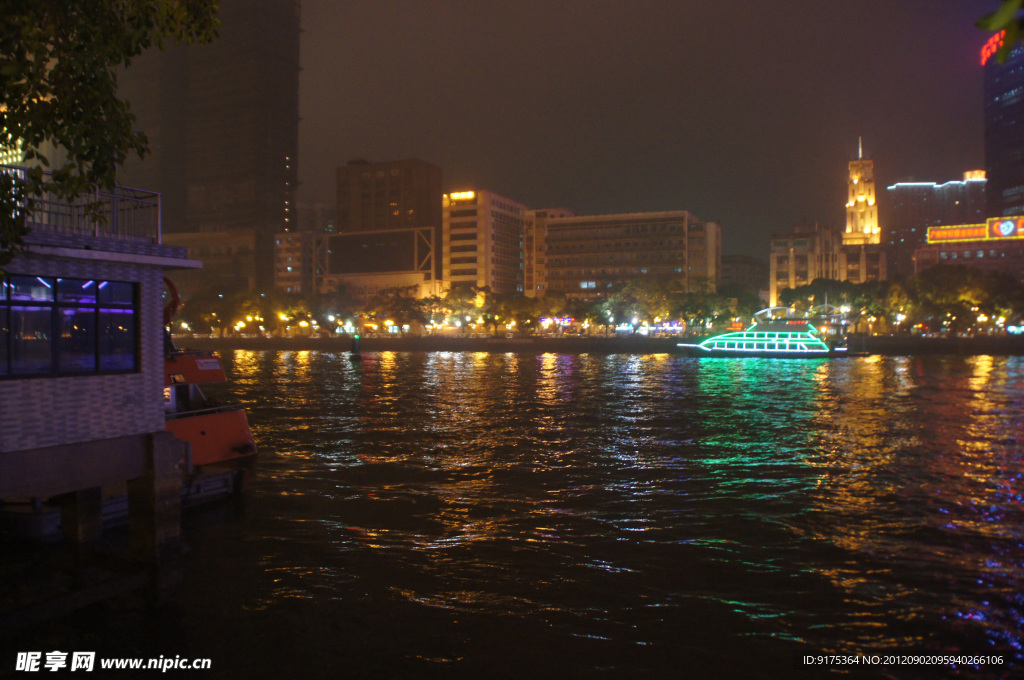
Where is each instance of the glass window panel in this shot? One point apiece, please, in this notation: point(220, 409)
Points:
point(35, 288)
point(3, 288)
point(118, 339)
point(31, 350)
point(76, 290)
point(76, 346)
point(116, 293)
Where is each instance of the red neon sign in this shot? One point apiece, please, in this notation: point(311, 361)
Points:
point(992, 46)
point(965, 232)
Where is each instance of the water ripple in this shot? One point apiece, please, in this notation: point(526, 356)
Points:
point(621, 509)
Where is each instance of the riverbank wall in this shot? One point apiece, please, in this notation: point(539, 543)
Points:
point(883, 345)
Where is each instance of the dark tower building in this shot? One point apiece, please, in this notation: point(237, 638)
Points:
point(1004, 130)
point(222, 120)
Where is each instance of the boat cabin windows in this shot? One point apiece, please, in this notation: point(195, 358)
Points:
point(67, 326)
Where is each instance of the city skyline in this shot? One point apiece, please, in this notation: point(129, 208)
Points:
point(745, 115)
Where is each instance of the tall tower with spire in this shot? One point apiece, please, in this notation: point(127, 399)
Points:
point(861, 211)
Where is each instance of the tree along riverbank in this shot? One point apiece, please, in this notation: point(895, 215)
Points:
point(891, 345)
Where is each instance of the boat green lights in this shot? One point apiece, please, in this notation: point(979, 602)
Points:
point(776, 332)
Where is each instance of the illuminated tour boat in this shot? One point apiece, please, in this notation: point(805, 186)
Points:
point(779, 332)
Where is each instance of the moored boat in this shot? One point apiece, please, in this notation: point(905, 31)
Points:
point(218, 434)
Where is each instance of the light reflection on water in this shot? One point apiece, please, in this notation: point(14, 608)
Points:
point(627, 511)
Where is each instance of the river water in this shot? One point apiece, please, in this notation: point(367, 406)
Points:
point(609, 516)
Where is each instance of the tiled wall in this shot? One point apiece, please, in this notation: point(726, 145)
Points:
point(40, 412)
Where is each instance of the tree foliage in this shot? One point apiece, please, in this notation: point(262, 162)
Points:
point(398, 303)
point(58, 88)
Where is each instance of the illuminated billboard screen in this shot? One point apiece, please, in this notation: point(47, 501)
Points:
point(995, 229)
point(372, 252)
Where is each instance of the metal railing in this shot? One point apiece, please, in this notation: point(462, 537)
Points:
point(124, 214)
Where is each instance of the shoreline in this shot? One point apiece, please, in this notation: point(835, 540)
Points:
point(881, 345)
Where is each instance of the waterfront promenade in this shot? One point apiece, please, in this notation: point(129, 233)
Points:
point(637, 344)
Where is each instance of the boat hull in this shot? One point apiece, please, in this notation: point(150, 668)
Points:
point(216, 436)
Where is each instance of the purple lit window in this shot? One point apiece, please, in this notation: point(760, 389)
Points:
point(118, 340)
point(76, 290)
point(76, 342)
point(51, 326)
point(31, 340)
point(117, 293)
point(34, 288)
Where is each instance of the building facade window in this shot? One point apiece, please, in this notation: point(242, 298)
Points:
point(65, 326)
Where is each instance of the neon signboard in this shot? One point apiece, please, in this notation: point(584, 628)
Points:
point(994, 229)
point(992, 46)
point(963, 232)
point(1005, 227)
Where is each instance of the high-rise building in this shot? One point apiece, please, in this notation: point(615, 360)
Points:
point(1004, 129)
point(404, 194)
point(482, 243)
point(590, 255)
point(222, 121)
point(915, 206)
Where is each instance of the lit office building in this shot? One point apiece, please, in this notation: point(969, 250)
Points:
point(916, 206)
point(12, 155)
point(293, 261)
point(483, 241)
point(994, 245)
point(589, 256)
point(535, 248)
point(799, 257)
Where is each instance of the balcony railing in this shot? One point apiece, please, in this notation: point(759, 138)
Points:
point(124, 214)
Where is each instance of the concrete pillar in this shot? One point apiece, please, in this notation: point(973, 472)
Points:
point(154, 513)
point(81, 516)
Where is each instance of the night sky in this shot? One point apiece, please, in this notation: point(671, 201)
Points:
point(741, 111)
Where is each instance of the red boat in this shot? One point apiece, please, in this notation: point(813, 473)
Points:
point(218, 434)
